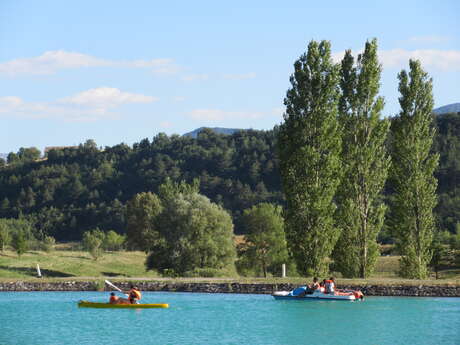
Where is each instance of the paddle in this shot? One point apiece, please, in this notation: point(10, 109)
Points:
point(115, 287)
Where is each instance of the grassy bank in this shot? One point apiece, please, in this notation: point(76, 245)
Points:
point(67, 264)
point(72, 264)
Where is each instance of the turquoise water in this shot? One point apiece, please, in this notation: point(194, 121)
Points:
point(53, 318)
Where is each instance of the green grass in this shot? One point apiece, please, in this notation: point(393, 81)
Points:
point(66, 263)
point(70, 264)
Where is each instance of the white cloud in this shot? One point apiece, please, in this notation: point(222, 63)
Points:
point(90, 105)
point(444, 60)
point(106, 97)
point(51, 62)
point(219, 115)
point(179, 99)
point(193, 77)
point(429, 39)
point(242, 76)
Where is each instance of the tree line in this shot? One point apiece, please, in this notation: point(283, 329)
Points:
point(336, 154)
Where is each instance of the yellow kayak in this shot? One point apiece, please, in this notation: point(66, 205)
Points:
point(86, 304)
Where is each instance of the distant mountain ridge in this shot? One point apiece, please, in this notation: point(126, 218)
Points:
point(450, 108)
point(219, 130)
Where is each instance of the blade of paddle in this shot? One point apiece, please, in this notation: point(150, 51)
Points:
point(111, 285)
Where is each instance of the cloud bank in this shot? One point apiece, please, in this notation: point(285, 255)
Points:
point(89, 105)
point(51, 62)
point(443, 60)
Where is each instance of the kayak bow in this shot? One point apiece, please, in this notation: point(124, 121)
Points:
point(87, 304)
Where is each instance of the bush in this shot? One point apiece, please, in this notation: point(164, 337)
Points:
point(48, 243)
point(113, 241)
point(92, 242)
point(209, 273)
point(20, 243)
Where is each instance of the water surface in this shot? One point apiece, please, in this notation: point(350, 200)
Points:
point(53, 318)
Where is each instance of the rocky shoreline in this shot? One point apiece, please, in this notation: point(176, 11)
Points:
point(258, 288)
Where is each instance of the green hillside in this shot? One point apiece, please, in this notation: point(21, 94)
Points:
point(77, 189)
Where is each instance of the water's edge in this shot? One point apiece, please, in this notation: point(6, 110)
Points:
point(258, 288)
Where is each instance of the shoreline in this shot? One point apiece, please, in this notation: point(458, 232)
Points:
point(231, 287)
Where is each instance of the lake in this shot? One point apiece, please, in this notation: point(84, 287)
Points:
point(53, 318)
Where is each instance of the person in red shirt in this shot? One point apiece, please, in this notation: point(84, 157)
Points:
point(113, 299)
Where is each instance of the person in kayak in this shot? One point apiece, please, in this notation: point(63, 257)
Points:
point(113, 298)
point(134, 295)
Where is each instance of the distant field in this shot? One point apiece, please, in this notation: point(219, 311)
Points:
point(68, 263)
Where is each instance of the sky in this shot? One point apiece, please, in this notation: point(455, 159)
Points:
point(121, 71)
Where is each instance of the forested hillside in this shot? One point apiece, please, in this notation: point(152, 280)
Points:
point(74, 190)
point(78, 189)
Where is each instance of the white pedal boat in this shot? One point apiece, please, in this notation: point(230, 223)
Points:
point(302, 293)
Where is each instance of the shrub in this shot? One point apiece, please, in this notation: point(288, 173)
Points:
point(19, 243)
point(113, 241)
point(48, 243)
point(92, 242)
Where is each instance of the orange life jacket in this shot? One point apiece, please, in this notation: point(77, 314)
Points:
point(133, 293)
point(329, 285)
point(113, 299)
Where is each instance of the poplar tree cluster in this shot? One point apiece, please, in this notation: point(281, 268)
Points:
point(335, 157)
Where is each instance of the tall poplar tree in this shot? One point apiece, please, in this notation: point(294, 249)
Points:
point(413, 169)
point(309, 150)
point(365, 162)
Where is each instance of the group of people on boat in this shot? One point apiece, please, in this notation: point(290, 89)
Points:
point(134, 295)
point(326, 286)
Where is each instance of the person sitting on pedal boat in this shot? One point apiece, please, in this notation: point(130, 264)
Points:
point(315, 285)
point(330, 286)
point(322, 286)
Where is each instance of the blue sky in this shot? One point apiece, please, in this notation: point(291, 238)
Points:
point(118, 71)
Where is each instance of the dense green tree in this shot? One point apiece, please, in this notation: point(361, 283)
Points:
point(439, 255)
point(19, 242)
point(365, 162)
point(265, 247)
point(12, 158)
point(447, 144)
point(183, 231)
point(141, 213)
point(309, 150)
point(413, 169)
point(28, 154)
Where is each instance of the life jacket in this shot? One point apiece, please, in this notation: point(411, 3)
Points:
point(329, 286)
point(135, 294)
point(113, 299)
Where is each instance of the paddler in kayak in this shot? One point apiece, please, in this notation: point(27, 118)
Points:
point(114, 299)
point(134, 295)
